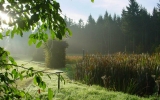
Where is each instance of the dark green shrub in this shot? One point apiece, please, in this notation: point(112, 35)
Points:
point(157, 49)
point(55, 52)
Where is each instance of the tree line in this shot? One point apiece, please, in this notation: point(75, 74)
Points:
point(135, 31)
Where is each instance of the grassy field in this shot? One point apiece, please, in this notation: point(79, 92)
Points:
point(71, 90)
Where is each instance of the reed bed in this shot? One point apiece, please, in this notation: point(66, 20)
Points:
point(129, 73)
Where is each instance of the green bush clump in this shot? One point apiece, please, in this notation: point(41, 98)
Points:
point(55, 53)
point(129, 73)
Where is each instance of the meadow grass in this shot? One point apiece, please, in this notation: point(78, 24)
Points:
point(71, 90)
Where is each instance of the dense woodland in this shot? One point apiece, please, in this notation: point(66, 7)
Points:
point(135, 31)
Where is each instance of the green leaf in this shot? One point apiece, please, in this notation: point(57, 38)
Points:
point(92, 1)
point(1, 36)
point(37, 79)
point(13, 32)
point(30, 41)
point(6, 74)
point(50, 94)
point(42, 85)
point(22, 94)
point(52, 34)
point(8, 67)
point(8, 53)
point(50, 6)
point(34, 40)
point(31, 35)
point(31, 74)
point(15, 73)
point(21, 76)
point(69, 31)
point(31, 68)
point(59, 36)
point(7, 33)
point(12, 61)
point(21, 33)
point(39, 44)
point(45, 37)
point(22, 71)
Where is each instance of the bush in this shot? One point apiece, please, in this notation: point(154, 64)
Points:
point(55, 52)
point(157, 49)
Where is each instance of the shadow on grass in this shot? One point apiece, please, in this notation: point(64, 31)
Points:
point(69, 70)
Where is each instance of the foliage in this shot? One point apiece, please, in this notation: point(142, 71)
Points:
point(157, 49)
point(129, 73)
point(55, 52)
point(41, 14)
point(26, 15)
point(10, 73)
point(92, 0)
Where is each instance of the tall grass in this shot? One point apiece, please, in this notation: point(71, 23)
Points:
point(73, 59)
point(129, 73)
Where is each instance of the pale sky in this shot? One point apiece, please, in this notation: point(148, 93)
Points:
point(81, 9)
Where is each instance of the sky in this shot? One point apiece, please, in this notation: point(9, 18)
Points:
point(81, 9)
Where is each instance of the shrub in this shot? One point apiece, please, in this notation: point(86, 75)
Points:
point(157, 49)
point(55, 52)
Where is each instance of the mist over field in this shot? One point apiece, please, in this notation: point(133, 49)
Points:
point(113, 57)
point(135, 31)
